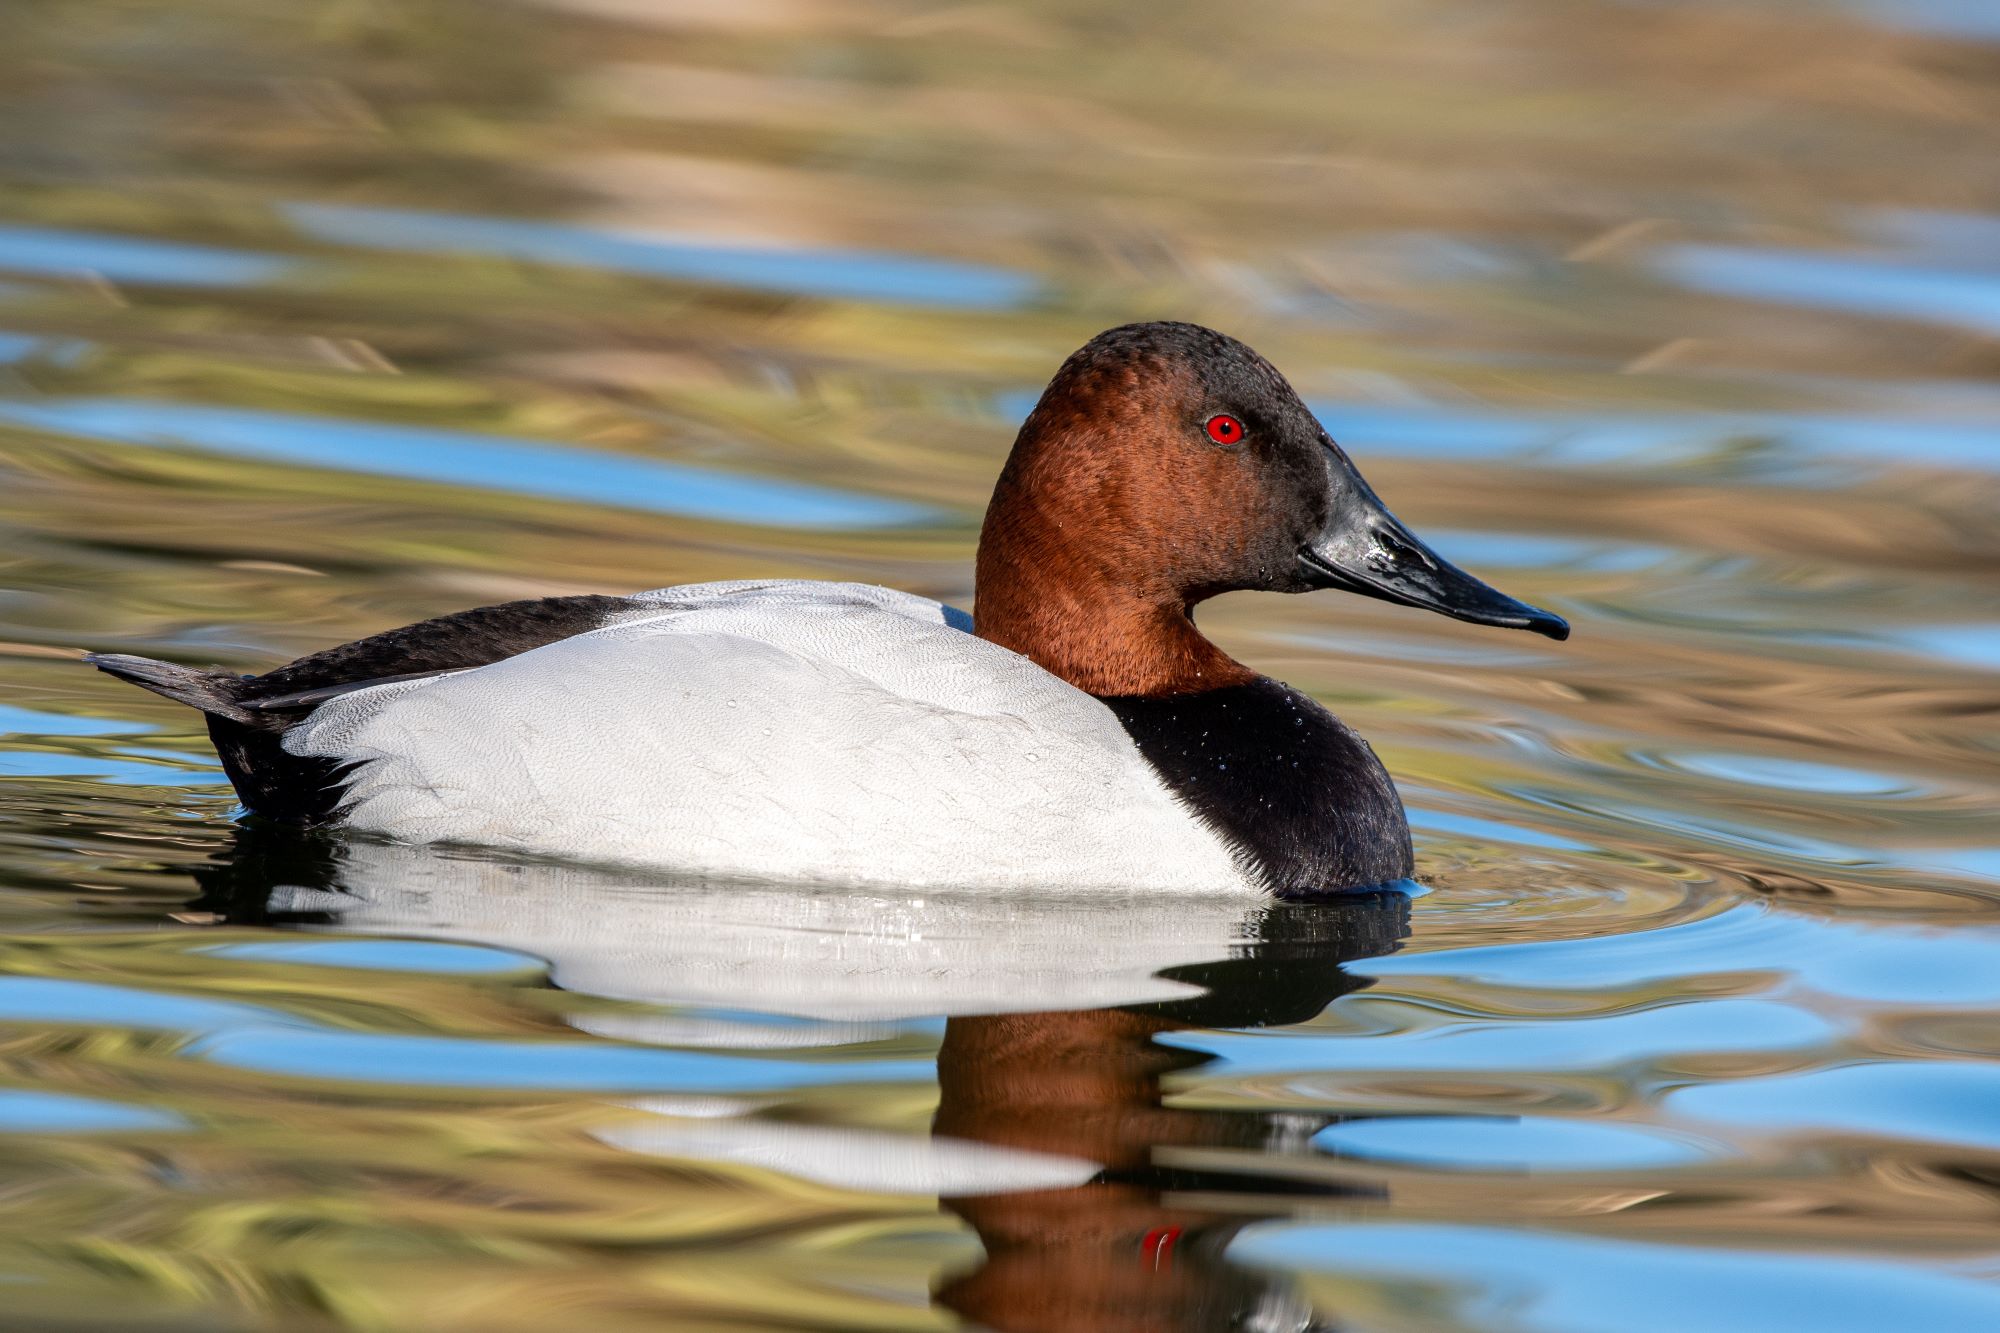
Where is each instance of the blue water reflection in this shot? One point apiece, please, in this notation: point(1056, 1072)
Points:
point(437, 958)
point(447, 1062)
point(1566, 1043)
point(855, 275)
point(1888, 287)
point(134, 259)
point(1786, 774)
point(1524, 550)
point(1593, 439)
point(272, 1041)
point(1945, 18)
point(1521, 1143)
point(1528, 1280)
point(1974, 644)
point(1948, 1102)
point(1874, 960)
point(31, 1111)
point(494, 462)
point(17, 346)
point(18, 721)
point(174, 770)
point(59, 1000)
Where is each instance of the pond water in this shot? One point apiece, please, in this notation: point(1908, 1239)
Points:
point(1677, 318)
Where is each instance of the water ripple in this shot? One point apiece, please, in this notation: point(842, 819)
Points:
point(460, 458)
point(1538, 1280)
point(854, 275)
point(134, 259)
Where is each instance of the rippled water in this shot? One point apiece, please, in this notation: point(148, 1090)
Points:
point(1677, 318)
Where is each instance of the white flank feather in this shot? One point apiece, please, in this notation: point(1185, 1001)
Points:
point(834, 733)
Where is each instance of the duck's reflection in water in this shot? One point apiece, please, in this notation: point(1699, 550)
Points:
point(1098, 1205)
point(1142, 1245)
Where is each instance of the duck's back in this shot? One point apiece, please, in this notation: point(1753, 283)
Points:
point(806, 730)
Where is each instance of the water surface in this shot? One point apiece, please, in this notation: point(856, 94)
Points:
point(1675, 318)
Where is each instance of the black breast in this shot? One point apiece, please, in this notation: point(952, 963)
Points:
point(1286, 784)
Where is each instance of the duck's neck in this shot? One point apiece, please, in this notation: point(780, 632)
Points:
point(1044, 592)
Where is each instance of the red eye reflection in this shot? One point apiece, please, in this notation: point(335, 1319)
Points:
point(1225, 429)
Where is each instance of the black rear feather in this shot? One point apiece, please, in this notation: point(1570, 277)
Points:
point(248, 716)
point(216, 693)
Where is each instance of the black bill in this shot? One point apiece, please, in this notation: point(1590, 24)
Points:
point(1364, 548)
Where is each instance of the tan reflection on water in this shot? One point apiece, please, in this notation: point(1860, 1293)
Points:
point(1679, 318)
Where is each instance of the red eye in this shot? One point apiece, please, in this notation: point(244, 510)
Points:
point(1225, 429)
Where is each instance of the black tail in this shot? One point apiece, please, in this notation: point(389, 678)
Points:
point(216, 693)
point(271, 782)
point(249, 715)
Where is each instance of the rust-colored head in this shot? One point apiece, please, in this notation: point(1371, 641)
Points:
point(1166, 463)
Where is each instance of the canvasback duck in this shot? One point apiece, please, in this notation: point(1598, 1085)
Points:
point(1078, 731)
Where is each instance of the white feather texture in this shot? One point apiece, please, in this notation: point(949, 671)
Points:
point(826, 732)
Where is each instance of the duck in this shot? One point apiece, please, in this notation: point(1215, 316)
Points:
point(1076, 731)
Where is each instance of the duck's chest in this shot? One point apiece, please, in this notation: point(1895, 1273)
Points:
point(1287, 785)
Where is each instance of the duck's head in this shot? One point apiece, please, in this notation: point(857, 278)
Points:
point(1166, 463)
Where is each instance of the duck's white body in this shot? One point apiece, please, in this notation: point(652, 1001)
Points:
point(827, 732)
